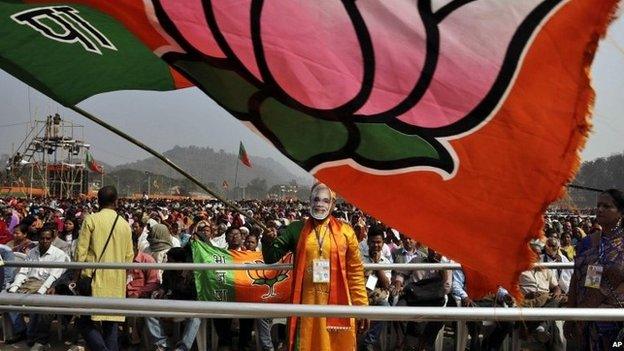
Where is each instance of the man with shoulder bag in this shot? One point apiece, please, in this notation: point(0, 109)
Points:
point(104, 237)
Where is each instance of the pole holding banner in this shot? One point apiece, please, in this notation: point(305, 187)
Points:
point(165, 160)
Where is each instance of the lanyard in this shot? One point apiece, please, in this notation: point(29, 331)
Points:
point(617, 232)
point(320, 240)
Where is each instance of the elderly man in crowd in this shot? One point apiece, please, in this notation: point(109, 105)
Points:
point(553, 253)
point(540, 288)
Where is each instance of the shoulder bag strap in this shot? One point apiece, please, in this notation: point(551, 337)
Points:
point(106, 244)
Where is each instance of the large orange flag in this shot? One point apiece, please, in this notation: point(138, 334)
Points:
point(455, 121)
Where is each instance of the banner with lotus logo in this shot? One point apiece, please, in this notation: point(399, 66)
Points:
point(253, 285)
point(454, 121)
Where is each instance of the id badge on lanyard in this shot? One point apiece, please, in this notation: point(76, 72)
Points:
point(594, 271)
point(320, 270)
point(371, 282)
point(594, 276)
point(320, 266)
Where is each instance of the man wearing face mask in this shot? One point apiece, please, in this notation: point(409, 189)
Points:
point(328, 270)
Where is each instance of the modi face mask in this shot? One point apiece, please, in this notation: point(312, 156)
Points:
point(321, 202)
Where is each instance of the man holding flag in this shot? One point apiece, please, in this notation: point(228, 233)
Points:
point(328, 269)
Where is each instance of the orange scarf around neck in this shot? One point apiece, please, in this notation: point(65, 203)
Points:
point(338, 290)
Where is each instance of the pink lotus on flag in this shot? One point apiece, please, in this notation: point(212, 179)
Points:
point(380, 84)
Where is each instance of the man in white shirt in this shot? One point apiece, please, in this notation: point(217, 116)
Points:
point(552, 253)
point(385, 250)
point(540, 288)
point(29, 280)
point(377, 283)
point(218, 238)
point(38, 279)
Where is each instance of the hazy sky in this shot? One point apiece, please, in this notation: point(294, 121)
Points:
point(188, 117)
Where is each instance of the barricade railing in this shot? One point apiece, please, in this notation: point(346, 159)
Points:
point(80, 305)
point(245, 266)
point(220, 309)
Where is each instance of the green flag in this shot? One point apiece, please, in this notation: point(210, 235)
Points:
point(253, 285)
point(73, 52)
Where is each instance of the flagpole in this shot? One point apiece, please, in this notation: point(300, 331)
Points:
point(236, 175)
point(165, 160)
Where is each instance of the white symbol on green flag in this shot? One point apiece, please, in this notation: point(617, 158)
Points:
point(71, 28)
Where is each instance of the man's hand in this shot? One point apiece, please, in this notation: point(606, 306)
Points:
point(396, 287)
point(556, 293)
point(362, 325)
point(467, 302)
point(51, 291)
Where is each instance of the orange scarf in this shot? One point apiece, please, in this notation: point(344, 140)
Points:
point(338, 290)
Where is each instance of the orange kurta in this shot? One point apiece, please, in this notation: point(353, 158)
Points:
point(312, 333)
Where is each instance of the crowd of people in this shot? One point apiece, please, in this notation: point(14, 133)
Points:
point(108, 229)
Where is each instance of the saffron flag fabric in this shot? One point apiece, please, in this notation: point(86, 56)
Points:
point(92, 164)
point(242, 155)
point(456, 122)
point(271, 286)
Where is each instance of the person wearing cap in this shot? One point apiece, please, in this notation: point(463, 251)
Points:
point(328, 270)
point(159, 241)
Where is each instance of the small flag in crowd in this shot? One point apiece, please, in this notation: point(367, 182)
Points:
point(93, 165)
point(242, 155)
point(239, 286)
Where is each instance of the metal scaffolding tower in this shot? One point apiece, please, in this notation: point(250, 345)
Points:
point(51, 159)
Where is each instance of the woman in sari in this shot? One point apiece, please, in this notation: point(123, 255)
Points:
point(598, 279)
